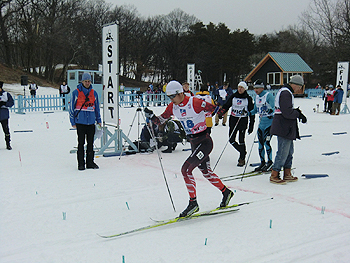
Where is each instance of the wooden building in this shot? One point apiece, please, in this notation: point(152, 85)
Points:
point(276, 68)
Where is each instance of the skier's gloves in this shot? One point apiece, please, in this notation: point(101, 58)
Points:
point(221, 113)
point(301, 117)
point(148, 113)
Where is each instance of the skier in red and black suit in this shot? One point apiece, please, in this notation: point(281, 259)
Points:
point(191, 112)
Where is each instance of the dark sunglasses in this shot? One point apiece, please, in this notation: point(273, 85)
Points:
point(172, 96)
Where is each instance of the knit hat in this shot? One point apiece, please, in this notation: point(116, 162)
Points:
point(173, 87)
point(86, 76)
point(259, 84)
point(297, 80)
point(243, 85)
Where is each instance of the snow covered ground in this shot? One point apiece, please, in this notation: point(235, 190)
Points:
point(40, 185)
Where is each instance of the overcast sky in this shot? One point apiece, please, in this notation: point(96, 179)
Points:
point(258, 16)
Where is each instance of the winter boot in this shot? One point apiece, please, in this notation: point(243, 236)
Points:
point(267, 166)
point(227, 195)
point(191, 208)
point(90, 161)
point(169, 150)
point(81, 161)
point(7, 139)
point(241, 162)
point(260, 167)
point(287, 175)
point(275, 178)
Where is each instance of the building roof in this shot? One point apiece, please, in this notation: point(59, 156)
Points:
point(287, 62)
point(290, 62)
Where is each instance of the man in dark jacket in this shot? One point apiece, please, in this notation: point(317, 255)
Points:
point(338, 99)
point(6, 101)
point(285, 127)
point(224, 92)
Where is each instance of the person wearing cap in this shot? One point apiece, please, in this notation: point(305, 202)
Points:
point(241, 104)
point(84, 112)
point(6, 101)
point(264, 105)
point(191, 112)
point(338, 99)
point(285, 127)
point(330, 98)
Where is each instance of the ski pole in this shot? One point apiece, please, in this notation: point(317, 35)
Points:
point(250, 152)
point(151, 132)
point(251, 148)
point(227, 143)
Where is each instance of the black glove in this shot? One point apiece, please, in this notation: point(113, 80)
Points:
point(2, 103)
point(148, 113)
point(251, 127)
point(221, 113)
point(301, 117)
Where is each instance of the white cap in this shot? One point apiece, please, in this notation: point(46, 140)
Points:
point(173, 87)
point(243, 85)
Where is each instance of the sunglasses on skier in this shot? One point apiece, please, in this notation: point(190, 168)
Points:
point(172, 96)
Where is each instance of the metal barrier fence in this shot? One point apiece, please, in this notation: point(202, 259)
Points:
point(25, 104)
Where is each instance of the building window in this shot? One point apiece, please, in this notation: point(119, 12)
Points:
point(274, 78)
point(72, 75)
point(97, 78)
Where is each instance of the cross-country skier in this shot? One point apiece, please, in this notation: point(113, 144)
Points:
point(264, 105)
point(241, 104)
point(191, 112)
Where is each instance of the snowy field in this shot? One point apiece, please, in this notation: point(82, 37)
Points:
point(51, 212)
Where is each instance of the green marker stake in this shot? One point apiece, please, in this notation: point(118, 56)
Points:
point(205, 243)
point(270, 223)
point(127, 205)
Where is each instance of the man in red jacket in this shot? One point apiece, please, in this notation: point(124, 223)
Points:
point(191, 112)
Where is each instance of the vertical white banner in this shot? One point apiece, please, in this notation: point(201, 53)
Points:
point(342, 77)
point(110, 65)
point(190, 75)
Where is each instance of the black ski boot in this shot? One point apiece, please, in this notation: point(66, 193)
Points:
point(190, 209)
point(227, 195)
point(267, 167)
point(260, 167)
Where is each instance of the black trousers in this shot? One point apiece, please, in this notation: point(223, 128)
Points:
point(85, 132)
point(6, 129)
point(241, 130)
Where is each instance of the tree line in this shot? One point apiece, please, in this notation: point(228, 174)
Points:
point(38, 35)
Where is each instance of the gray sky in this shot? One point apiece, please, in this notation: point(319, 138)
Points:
point(258, 16)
